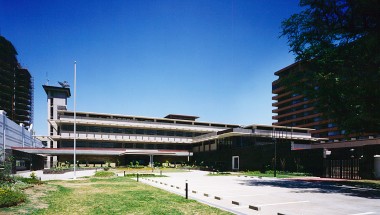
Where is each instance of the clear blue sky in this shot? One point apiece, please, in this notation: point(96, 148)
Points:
point(213, 59)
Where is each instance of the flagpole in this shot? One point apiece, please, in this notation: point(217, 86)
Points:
point(75, 119)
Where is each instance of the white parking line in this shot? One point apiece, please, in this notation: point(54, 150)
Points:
point(241, 206)
point(282, 203)
point(246, 195)
point(366, 213)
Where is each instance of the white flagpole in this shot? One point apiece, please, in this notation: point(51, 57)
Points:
point(75, 119)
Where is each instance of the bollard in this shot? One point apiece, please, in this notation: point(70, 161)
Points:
point(187, 189)
point(160, 172)
point(124, 173)
point(137, 177)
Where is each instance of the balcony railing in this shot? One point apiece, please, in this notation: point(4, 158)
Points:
point(124, 137)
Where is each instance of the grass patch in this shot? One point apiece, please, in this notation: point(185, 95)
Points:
point(279, 174)
point(11, 197)
point(104, 174)
point(145, 175)
point(116, 195)
point(219, 174)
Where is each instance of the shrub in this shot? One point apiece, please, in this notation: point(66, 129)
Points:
point(33, 175)
point(104, 174)
point(9, 197)
point(29, 180)
point(106, 168)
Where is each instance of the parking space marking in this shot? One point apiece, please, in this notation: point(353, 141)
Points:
point(241, 206)
point(365, 213)
point(246, 195)
point(283, 203)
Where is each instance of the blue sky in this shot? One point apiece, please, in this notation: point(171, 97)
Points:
point(213, 59)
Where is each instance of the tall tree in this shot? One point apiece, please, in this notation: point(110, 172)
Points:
point(8, 53)
point(338, 44)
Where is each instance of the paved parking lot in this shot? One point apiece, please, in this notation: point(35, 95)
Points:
point(251, 195)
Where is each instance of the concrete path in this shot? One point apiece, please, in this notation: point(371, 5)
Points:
point(251, 195)
point(64, 176)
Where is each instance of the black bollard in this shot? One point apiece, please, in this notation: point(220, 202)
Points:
point(187, 190)
point(137, 177)
point(124, 173)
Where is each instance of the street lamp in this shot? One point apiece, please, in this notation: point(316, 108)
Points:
point(275, 152)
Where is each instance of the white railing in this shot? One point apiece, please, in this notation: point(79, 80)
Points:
point(140, 124)
point(281, 134)
point(124, 137)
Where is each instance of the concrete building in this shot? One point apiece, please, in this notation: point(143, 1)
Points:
point(16, 94)
point(14, 136)
point(341, 152)
point(122, 139)
point(16, 86)
point(294, 109)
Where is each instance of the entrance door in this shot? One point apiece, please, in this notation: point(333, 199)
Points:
point(235, 162)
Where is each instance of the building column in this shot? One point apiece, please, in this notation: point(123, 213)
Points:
point(4, 133)
point(151, 161)
point(23, 134)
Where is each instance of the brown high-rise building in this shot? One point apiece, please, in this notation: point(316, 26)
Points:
point(16, 86)
point(296, 110)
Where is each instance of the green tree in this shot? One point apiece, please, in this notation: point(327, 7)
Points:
point(337, 43)
point(8, 53)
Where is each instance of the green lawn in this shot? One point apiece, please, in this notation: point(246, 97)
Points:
point(116, 195)
point(279, 174)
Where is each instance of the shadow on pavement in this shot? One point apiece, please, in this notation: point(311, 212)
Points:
point(316, 187)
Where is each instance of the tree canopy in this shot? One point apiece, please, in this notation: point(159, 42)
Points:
point(8, 53)
point(338, 44)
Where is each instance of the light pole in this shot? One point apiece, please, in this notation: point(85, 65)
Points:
point(75, 119)
point(275, 153)
point(275, 158)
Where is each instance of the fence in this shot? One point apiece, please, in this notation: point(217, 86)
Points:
point(343, 169)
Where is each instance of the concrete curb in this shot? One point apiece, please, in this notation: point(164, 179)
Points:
point(235, 203)
point(254, 207)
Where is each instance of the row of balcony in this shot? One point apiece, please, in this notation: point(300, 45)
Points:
point(124, 138)
point(136, 124)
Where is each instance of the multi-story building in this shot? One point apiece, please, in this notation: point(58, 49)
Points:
point(12, 136)
point(294, 109)
point(16, 89)
point(121, 139)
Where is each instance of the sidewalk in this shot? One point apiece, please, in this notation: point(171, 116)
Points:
point(64, 176)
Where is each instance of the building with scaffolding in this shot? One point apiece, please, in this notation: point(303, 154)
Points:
point(16, 87)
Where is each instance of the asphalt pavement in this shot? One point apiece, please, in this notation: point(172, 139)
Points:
point(253, 195)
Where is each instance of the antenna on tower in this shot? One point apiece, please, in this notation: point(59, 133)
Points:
point(64, 84)
point(47, 79)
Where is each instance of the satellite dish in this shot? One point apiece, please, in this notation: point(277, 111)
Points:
point(64, 84)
